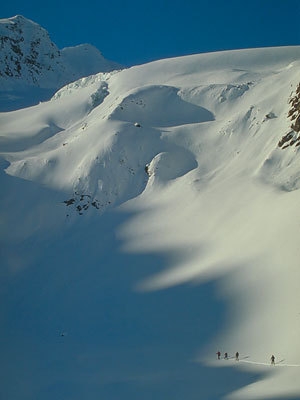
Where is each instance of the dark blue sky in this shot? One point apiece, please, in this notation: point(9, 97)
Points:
point(133, 32)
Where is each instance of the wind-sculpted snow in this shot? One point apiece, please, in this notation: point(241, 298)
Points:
point(171, 165)
point(160, 106)
point(115, 172)
point(89, 81)
point(150, 218)
point(221, 93)
point(96, 97)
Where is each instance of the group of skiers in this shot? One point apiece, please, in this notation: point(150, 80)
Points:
point(237, 354)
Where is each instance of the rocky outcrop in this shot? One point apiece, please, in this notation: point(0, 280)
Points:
point(292, 138)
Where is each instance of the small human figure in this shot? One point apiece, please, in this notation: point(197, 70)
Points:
point(237, 356)
point(226, 356)
point(273, 360)
point(218, 353)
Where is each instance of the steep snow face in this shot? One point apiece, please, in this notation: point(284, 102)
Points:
point(28, 58)
point(200, 155)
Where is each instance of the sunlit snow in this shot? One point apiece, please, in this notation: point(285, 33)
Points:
point(150, 215)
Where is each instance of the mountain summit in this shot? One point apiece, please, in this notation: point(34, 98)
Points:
point(30, 60)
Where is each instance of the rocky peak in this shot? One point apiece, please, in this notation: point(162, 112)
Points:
point(32, 68)
point(27, 53)
point(28, 56)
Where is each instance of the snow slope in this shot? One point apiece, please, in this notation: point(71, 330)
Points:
point(149, 218)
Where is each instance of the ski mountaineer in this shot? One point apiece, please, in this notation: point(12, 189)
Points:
point(218, 353)
point(237, 356)
point(273, 360)
point(226, 356)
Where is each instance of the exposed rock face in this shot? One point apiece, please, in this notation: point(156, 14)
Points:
point(28, 54)
point(292, 137)
point(294, 112)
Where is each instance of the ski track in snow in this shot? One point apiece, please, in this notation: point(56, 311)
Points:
point(278, 364)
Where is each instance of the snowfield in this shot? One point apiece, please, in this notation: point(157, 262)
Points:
point(149, 218)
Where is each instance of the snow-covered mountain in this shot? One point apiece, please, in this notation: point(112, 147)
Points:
point(30, 63)
point(149, 218)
